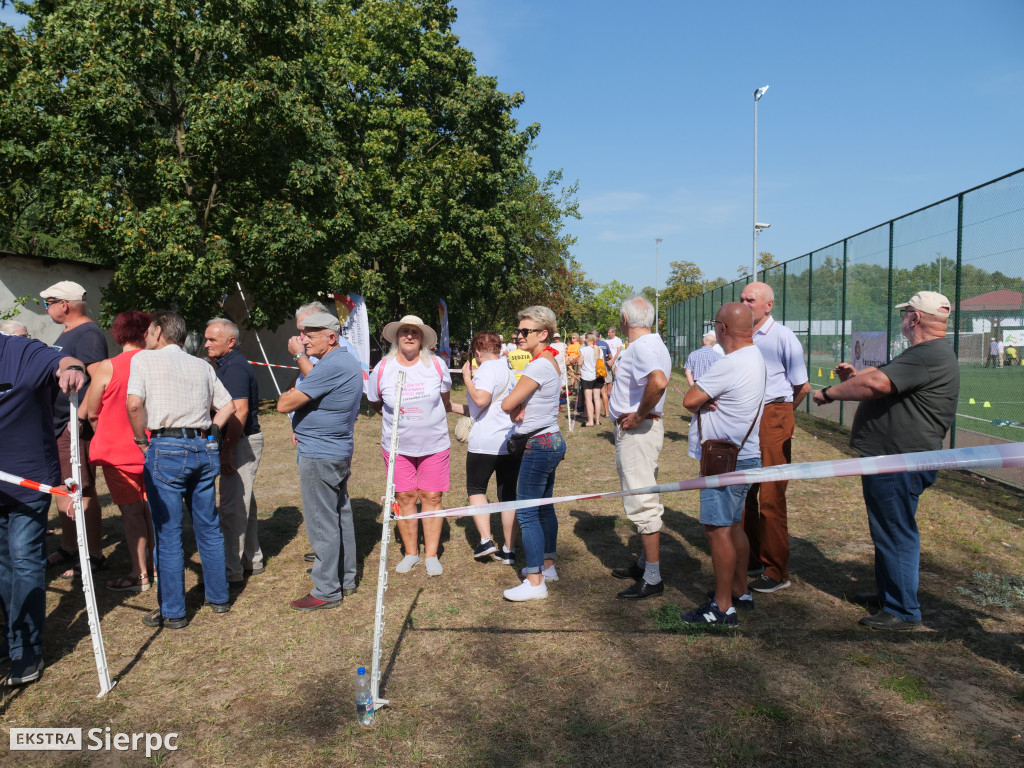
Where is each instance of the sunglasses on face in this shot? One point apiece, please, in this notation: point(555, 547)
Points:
point(50, 302)
point(527, 331)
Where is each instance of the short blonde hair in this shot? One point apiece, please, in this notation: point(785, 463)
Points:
point(542, 316)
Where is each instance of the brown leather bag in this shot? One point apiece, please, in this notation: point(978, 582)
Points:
point(720, 456)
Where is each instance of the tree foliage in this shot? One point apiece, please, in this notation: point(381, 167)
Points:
point(295, 147)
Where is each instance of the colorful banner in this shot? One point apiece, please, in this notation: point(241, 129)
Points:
point(981, 457)
point(355, 327)
point(868, 349)
point(444, 348)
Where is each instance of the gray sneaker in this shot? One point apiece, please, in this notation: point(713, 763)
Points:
point(767, 584)
point(23, 672)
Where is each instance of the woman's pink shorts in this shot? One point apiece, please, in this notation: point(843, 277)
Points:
point(420, 473)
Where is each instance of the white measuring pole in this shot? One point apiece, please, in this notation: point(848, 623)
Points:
point(385, 537)
point(568, 404)
point(265, 358)
point(74, 483)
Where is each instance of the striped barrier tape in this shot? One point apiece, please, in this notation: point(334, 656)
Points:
point(980, 457)
point(274, 365)
point(53, 490)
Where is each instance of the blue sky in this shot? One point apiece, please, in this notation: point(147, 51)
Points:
point(874, 109)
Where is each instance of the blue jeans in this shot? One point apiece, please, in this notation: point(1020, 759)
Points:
point(537, 480)
point(723, 507)
point(23, 577)
point(185, 469)
point(892, 518)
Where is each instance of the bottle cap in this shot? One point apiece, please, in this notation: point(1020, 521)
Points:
point(361, 671)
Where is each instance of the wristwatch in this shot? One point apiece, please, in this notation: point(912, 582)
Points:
point(296, 357)
point(824, 394)
point(75, 368)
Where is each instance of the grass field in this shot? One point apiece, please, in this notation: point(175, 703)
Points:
point(580, 678)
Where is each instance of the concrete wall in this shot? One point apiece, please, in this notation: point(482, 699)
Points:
point(23, 276)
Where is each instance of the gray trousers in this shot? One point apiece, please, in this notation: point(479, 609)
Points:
point(238, 520)
point(332, 532)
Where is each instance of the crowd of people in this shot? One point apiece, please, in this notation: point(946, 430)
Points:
point(165, 425)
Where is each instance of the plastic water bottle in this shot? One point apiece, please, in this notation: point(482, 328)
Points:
point(364, 698)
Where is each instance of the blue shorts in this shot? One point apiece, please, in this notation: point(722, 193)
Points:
point(723, 507)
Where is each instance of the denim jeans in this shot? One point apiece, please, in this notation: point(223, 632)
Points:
point(723, 507)
point(327, 511)
point(23, 577)
point(185, 469)
point(891, 501)
point(539, 525)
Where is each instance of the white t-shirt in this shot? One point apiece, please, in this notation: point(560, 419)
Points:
point(423, 423)
point(492, 425)
point(614, 345)
point(560, 357)
point(638, 361)
point(737, 382)
point(542, 405)
point(588, 363)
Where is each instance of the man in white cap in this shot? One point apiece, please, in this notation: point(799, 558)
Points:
point(325, 404)
point(82, 339)
point(908, 406)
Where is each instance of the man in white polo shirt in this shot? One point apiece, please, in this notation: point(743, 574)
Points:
point(636, 405)
point(765, 516)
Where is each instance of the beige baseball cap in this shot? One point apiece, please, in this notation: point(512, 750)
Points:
point(66, 290)
point(929, 302)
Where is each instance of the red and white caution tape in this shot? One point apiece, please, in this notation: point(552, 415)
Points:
point(274, 365)
point(50, 489)
point(981, 457)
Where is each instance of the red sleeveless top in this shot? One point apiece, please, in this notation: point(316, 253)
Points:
point(114, 442)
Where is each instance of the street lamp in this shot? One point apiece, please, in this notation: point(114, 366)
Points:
point(939, 254)
point(657, 241)
point(757, 227)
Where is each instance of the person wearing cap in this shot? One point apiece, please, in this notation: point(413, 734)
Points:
point(765, 515)
point(82, 339)
point(637, 404)
point(30, 375)
point(325, 404)
point(908, 406)
point(171, 394)
point(421, 466)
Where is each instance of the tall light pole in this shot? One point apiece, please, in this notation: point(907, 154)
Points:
point(657, 242)
point(939, 254)
point(757, 228)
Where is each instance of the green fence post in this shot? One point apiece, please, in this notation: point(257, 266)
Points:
point(842, 334)
point(956, 302)
point(810, 303)
point(888, 304)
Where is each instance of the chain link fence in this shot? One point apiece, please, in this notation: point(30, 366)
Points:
point(839, 301)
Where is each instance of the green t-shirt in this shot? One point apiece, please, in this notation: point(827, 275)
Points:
point(917, 416)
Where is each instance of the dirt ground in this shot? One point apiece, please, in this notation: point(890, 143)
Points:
point(580, 678)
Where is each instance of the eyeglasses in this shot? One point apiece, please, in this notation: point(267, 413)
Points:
point(50, 302)
point(904, 311)
point(527, 331)
point(410, 331)
point(718, 322)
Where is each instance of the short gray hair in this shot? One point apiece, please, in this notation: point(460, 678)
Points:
point(229, 326)
point(309, 309)
point(710, 337)
point(542, 316)
point(638, 312)
point(13, 328)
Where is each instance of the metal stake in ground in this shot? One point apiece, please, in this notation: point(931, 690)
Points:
point(266, 359)
point(74, 483)
point(385, 537)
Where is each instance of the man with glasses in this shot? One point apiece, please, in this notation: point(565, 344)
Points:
point(907, 406)
point(325, 404)
point(765, 517)
point(81, 339)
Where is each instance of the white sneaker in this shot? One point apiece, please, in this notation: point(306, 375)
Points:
point(526, 591)
point(434, 567)
point(407, 563)
point(548, 573)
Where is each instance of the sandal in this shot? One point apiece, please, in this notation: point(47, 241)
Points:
point(96, 563)
point(61, 555)
point(138, 583)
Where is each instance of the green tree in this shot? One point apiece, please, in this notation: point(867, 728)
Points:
point(607, 304)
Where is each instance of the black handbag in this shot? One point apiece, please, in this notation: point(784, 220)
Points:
point(516, 445)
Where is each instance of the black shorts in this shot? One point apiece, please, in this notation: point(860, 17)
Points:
point(595, 384)
point(480, 467)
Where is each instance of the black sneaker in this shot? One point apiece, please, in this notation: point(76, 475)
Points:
point(709, 614)
point(744, 602)
point(767, 585)
point(218, 607)
point(632, 571)
point(484, 548)
point(156, 619)
point(504, 555)
point(309, 557)
point(23, 672)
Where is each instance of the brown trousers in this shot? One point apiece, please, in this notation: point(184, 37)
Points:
point(764, 517)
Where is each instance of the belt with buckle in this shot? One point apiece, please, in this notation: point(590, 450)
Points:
point(777, 401)
point(190, 432)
